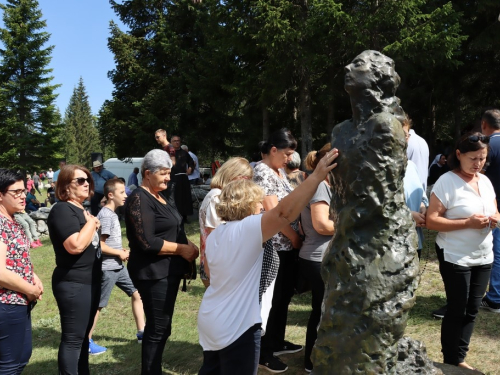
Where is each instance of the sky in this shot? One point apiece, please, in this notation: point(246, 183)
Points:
point(79, 33)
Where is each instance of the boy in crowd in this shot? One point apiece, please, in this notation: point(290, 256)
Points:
point(113, 271)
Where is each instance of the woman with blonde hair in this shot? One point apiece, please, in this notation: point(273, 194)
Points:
point(233, 169)
point(229, 317)
point(318, 229)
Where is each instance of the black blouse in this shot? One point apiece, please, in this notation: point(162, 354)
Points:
point(149, 222)
point(65, 219)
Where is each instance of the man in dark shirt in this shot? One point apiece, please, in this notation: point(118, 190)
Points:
point(490, 125)
point(179, 187)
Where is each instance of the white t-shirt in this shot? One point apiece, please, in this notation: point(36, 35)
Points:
point(230, 305)
point(196, 172)
point(465, 247)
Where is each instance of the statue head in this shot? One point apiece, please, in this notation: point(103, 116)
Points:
point(371, 76)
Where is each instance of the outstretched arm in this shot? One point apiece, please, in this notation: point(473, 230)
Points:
point(289, 208)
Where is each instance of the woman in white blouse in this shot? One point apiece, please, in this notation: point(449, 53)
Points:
point(229, 317)
point(463, 210)
point(233, 169)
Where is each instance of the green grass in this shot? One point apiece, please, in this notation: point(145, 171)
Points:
point(183, 355)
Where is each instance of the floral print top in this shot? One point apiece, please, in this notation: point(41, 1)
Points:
point(272, 184)
point(17, 258)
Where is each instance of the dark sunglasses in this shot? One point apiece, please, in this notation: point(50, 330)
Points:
point(477, 138)
point(81, 180)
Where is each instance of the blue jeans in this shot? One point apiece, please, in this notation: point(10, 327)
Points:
point(240, 357)
point(494, 289)
point(15, 338)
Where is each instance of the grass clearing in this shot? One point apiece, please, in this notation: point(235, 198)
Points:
point(183, 355)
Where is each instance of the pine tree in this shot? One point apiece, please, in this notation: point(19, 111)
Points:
point(82, 137)
point(28, 113)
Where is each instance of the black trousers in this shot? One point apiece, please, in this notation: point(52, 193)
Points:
point(240, 357)
point(465, 288)
point(283, 292)
point(311, 272)
point(77, 305)
point(158, 298)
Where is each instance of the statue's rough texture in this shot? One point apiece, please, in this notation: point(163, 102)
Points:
point(370, 269)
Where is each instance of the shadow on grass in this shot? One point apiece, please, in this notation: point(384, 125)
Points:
point(124, 358)
point(424, 306)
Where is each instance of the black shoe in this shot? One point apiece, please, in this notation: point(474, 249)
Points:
point(288, 348)
point(488, 305)
point(272, 364)
point(439, 313)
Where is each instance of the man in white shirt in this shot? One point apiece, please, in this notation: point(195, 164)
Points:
point(195, 175)
point(418, 152)
point(50, 175)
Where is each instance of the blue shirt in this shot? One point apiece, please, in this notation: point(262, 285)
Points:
point(100, 179)
point(414, 194)
point(493, 169)
point(132, 180)
point(418, 152)
point(56, 174)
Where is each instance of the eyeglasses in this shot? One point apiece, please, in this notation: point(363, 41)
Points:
point(81, 180)
point(18, 192)
point(477, 138)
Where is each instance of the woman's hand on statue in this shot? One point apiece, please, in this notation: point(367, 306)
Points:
point(326, 164)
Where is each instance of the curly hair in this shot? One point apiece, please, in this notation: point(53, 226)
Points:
point(238, 200)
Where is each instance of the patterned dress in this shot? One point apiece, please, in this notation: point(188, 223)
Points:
point(17, 258)
point(272, 184)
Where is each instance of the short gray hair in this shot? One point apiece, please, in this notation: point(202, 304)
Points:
point(155, 160)
point(184, 147)
point(295, 162)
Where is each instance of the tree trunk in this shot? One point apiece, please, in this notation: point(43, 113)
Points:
point(305, 115)
point(457, 118)
point(265, 122)
point(330, 117)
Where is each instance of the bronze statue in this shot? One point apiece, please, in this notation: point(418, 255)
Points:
point(370, 269)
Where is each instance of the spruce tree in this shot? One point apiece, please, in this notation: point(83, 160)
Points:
point(82, 137)
point(30, 120)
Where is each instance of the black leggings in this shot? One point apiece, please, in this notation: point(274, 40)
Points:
point(465, 288)
point(283, 292)
point(158, 298)
point(311, 271)
point(77, 307)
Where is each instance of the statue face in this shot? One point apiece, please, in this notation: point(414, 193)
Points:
point(368, 70)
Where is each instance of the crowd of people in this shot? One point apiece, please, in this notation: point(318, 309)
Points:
point(264, 229)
